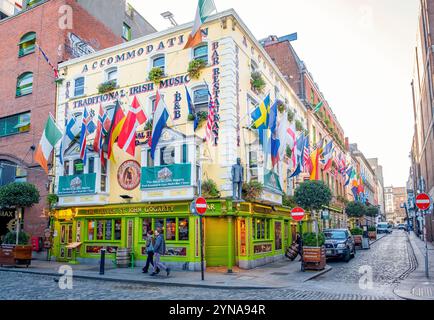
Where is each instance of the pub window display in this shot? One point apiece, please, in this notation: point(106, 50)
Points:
point(104, 230)
point(169, 227)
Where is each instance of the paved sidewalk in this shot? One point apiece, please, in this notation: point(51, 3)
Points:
point(417, 286)
point(277, 275)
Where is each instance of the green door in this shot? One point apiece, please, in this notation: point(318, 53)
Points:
point(216, 242)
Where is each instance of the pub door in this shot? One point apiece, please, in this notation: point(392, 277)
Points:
point(66, 238)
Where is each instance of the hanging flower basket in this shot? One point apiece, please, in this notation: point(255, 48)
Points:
point(257, 82)
point(156, 75)
point(195, 68)
point(107, 86)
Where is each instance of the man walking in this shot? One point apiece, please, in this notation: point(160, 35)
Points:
point(159, 250)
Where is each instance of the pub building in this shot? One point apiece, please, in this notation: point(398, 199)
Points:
point(113, 206)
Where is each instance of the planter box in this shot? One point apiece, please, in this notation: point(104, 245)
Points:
point(358, 240)
point(372, 235)
point(12, 255)
point(314, 258)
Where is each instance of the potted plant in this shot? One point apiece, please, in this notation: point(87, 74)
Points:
point(357, 235)
point(281, 106)
point(19, 195)
point(314, 254)
point(107, 86)
point(299, 126)
point(252, 190)
point(209, 189)
point(202, 116)
point(155, 75)
point(372, 233)
point(12, 253)
point(291, 115)
point(257, 82)
point(195, 67)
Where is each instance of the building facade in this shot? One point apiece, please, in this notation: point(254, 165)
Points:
point(422, 152)
point(28, 87)
point(395, 199)
point(378, 170)
point(114, 206)
point(321, 126)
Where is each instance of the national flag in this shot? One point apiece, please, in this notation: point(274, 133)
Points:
point(275, 145)
point(260, 117)
point(315, 156)
point(297, 155)
point(161, 116)
point(72, 130)
point(191, 108)
point(328, 156)
point(272, 118)
point(56, 72)
point(115, 129)
point(83, 136)
point(318, 107)
point(135, 118)
point(212, 126)
point(307, 163)
point(99, 135)
point(284, 136)
point(50, 137)
point(204, 10)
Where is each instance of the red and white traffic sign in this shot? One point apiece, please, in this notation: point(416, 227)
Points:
point(297, 214)
point(200, 205)
point(423, 201)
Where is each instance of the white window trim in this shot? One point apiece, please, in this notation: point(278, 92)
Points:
point(204, 42)
point(108, 70)
point(73, 86)
point(154, 57)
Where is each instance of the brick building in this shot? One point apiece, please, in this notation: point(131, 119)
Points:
point(422, 151)
point(62, 29)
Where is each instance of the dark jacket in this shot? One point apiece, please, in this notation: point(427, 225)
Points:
point(160, 245)
point(150, 244)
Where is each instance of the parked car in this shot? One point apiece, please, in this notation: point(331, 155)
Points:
point(339, 243)
point(384, 227)
point(402, 226)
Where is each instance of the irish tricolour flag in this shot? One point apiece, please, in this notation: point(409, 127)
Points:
point(204, 10)
point(51, 136)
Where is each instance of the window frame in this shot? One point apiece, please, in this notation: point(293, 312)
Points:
point(22, 52)
point(19, 87)
point(157, 57)
point(20, 129)
point(165, 219)
point(125, 26)
point(199, 106)
point(107, 73)
point(199, 57)
point(83, 86)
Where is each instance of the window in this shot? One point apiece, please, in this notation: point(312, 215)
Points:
point(11, 172)
point(171, 229)
point(78, 167)
point(254, 66)
point(183, 230)
point(24, 84)
point(15, 124)
point(261, 227)
point(92, 165)
point(104, 230)
point(184, 154)
point(167, 156)
point(126, 32)
point(278, 236)
point(146, 226)
point(253, 165)
point(79, 87)
point(66, 167)
point(150, 161)
point(104, 178)
point(201, 53)
point(112, 75)
point(27, 44)
point(31, 3)
point(200, 99)
point(159, 62)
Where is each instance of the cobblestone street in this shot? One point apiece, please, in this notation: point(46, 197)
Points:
point(388, 258)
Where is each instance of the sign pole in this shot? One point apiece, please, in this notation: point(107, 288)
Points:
point(423, 202)
point(202, 269)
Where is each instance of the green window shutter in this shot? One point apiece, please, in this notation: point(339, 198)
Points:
point(24, 84)
point(27, 44)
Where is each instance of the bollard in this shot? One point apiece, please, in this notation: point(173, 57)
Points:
point(102, 262)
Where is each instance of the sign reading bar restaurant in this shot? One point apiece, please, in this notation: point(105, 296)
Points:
point(175, 175)
point(79, 184)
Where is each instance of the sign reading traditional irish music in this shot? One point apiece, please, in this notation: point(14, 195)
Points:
point(175, 175)
point(78, 184)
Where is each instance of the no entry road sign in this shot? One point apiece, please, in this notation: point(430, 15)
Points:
point(423, 201)
point(201, 205)
point(297, 214)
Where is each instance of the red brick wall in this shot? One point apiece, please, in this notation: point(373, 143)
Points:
point(284, 58)
point(44, 21)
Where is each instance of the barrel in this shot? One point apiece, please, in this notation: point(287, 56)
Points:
point(123, 257)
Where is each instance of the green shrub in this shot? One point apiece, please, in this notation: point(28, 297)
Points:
point(310, 239)
point(357, 232)
point(52, 199)
point(252, 190)
point(18, 195)
point(313, 195)
point(291, 116)
point(372, 229)
point(299, 126)
point(289, 201)
point(11, 238)
point(155, 75)
point(257, 81)
point(355, 209)
point(209, 189)
point(195, 67)
point(202, 116)
point(107, 86)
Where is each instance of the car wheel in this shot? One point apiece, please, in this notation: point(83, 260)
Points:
point(353, 255)
point(347, 257)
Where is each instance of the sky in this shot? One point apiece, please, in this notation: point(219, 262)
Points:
point(360, 53)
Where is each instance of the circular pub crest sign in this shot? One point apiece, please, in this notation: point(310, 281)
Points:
point(129, 175)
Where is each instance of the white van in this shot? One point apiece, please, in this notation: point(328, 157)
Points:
point(384, 227)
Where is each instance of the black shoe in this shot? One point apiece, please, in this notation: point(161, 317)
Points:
point(168, 271)
point(145, 271)
point(158, 271)
point(153, 274)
